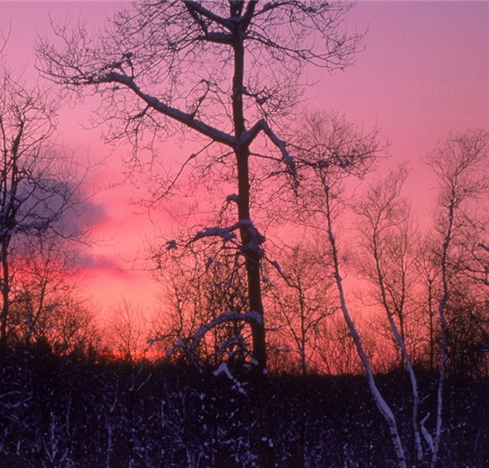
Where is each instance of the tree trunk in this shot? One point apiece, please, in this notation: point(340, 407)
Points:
point(248, 233)
point(250, 240)
point(382, 405)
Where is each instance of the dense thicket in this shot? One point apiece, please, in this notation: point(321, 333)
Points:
point(67, 412)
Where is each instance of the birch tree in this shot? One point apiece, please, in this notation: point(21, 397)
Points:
point(383, 217)
point(388, 242)
point(460, 165)
point(331, 150)
point(228, 72)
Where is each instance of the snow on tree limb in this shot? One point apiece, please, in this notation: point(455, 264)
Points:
point(224, 369)
point(227, 234)
point(185, 118)
point(254, 238)
point(229, 316)
point(262, 125)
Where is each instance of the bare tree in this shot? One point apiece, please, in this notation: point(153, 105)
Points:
point(427, 264)
point(126, 332)
point(476, 264)
point(43, 285)
point(330, 150)
point(460, 165)
point(226, 70)
point(337, 348)
point(301, 301)
point(467, 333)
point(383, 224)
point(36, 186)
point(384, 218)
point(195, 297)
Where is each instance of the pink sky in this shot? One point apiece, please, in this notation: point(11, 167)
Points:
point(424, 73)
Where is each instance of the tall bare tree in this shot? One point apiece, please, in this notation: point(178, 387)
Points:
point(384, 220)
point(427, 264)
point(330, 150)
point(229, 71)
point(460, 165)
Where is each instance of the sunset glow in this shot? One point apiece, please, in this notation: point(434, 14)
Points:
point(423, 74)
point(244, 233)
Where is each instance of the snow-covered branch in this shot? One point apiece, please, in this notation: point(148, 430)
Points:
point(262, 125)
point(185, 118)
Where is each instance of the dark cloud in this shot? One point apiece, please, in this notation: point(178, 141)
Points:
point(88, 261)
point(92, 214)
point(84, 216)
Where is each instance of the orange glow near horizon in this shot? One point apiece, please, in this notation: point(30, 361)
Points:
point(422, 75)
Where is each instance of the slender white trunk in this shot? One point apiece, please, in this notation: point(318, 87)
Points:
point(382, 405)
point(402, 346)
point(443, 328)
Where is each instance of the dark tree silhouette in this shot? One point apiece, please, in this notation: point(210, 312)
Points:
point(37, 185)
point(227, 70)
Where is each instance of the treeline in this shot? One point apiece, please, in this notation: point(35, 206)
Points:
point(61, 412)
